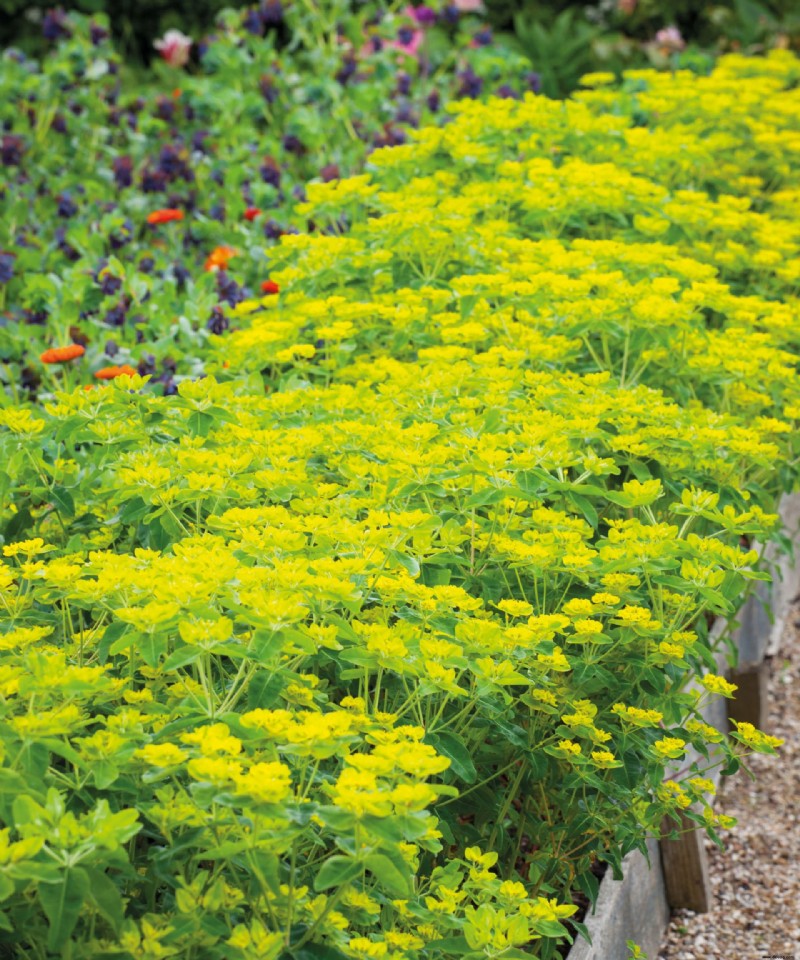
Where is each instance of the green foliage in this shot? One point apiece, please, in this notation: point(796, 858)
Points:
point(374, 612)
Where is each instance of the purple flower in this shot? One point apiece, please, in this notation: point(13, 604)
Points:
point(153, 181)
point(403, 83)
point(273, 230)
point(181, 275)
point(271, 172)
point(483, 37)
point(109, 283)
point(6, 267)
point(293, 144)
point(533, 81)
point(272, 12)
point(97, 34)
point(123, 172)
point(54, 25)
point(66, 206)
point(347, 69)
point(35, 317)
point(65, 246)
point(405, 115)
point(11, 150)
point(218, 323)
point(229, 290)
point(165, 109)
point(470, 85)
point(434, 101)
point(115, 317)
point(507, 92)
point(424, 15)
point(147, 365)
point(253, 22)
point(198, 140)
point(111, 348)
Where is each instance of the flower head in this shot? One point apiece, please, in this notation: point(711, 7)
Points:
point(174, 48)
point(109, 373)
point(219, 257)
point(669, 39)
point(164, 216)
point(62, 354)
point(269, 286)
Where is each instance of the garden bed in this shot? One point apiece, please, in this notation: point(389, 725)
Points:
point(364, 617)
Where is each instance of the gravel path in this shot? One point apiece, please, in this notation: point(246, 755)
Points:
point(756, 881)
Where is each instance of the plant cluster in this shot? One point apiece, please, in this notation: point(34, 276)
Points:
point(370, 636)
point(230, 145)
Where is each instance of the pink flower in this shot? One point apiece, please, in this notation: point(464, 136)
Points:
point(409, 39)
point(670, 39)
point(174, 48)
point(468, 6)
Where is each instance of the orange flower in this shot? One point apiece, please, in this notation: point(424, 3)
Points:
point(251, 213)
point(108, 373)
point(269, 286)
point(62, 354)
point(164, 216)
point(219, 257)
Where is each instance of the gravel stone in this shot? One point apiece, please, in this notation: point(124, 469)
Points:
point(756, 879)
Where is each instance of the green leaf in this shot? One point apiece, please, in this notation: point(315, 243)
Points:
point(106, 897)
point(200, 423)
point(313, 951)
point(453, 747)
point(337, 871)
point(104, 773)
point(64, 502)
point(182, 657)
point(109, 643)
point(264, 689)
point(151, 646)
point(62, 902)
point(409, 564)
point(395, 881)
point(549, 928)
point(5, 486)
point(18, 524)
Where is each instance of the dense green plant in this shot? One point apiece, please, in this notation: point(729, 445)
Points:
point(369, 634)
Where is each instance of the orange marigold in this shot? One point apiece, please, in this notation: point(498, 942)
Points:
point(109, 373)
point(164, 216)
point(219, 257)
point(62, 354)
point(269, 286)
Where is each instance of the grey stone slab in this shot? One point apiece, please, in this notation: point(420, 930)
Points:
point(762, 617)
point(634, 908)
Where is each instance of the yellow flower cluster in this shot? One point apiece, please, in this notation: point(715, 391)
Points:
point(452, 568)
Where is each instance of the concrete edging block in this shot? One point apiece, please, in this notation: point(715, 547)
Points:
point(636, 907)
